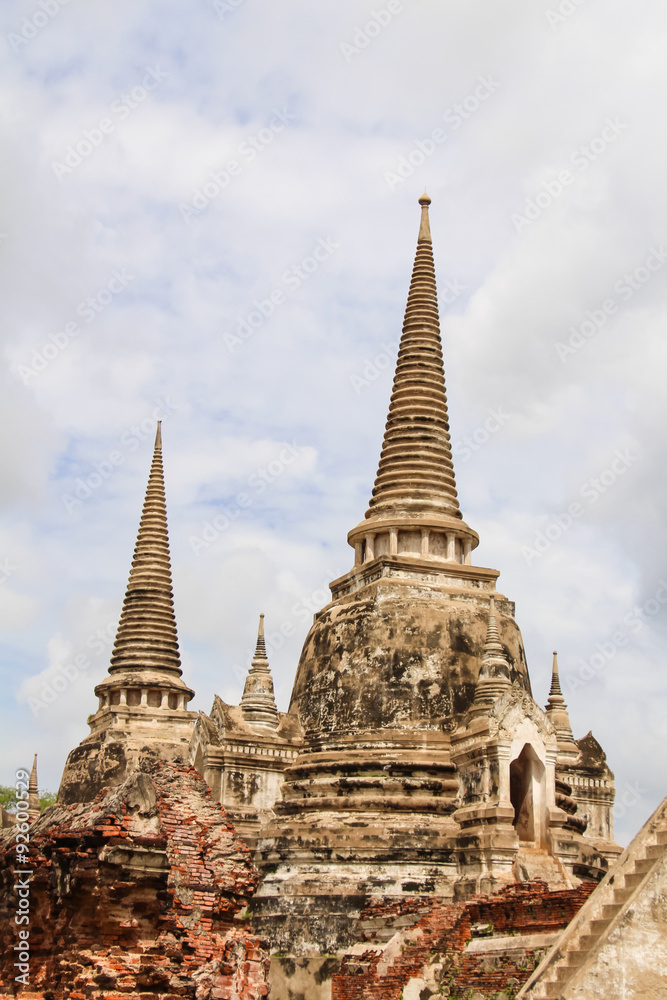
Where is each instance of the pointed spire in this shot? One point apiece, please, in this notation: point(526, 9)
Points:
point(34, 809)
point(146, 638)
point(493, 648)
point(555, 682)
point(416, 473)
point(494, 673)
point(425, 225)
point(258, 703)
point(558, 714)
point(260, 648)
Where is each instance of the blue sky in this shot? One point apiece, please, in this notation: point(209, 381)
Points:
point(208, 215)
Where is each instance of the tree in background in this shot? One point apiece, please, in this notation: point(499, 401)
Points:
point(8, 798)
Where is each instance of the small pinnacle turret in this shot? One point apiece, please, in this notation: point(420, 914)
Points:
point(258, 704)
point(33, 792)
point(557, 713)
point(494, 674)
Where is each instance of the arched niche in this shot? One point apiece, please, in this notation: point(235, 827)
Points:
point(528, 796)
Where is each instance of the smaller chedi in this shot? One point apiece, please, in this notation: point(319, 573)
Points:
point(243, 750)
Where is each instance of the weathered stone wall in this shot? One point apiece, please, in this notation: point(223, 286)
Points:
point(399, 654)
point(137, 893)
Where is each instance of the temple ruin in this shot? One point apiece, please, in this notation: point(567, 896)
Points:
point(417, 824)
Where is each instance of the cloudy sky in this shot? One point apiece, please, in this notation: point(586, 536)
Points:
point(208, 216)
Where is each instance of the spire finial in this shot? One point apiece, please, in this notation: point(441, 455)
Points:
point(493, 645)
point(425, 226)
point(555, 679)
point(33, 792)
point(258, 703)
point(558, 714)
point(260, 648)
point(495, 670)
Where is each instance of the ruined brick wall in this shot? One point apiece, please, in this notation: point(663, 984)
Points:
point(529, 907)
point(426, 939)
point(137, 893)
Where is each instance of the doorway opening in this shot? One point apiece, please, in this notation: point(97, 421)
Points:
point(527, 795)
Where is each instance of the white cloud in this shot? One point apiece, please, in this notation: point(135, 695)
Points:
point(323, 176)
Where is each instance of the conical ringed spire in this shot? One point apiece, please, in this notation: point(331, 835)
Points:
point(146, 639)
point(494, 673)
point(258, 703)
point(33, 792)
point(558, 714)
point(416, 473)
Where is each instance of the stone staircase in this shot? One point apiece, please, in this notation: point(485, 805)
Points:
point(602, 912)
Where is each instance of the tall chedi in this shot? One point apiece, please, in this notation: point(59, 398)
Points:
point(143, 700)
point(413, 532)
point(389, 670)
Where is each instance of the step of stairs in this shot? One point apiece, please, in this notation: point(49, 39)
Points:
point(622, 895)
point(602, 910)
point(644, 865)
